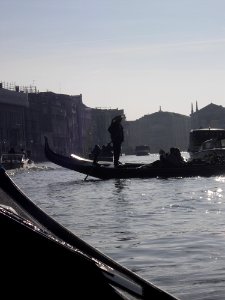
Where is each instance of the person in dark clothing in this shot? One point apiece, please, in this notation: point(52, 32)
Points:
point(12, 150)
point(117, 137)
point(107, 150)
point(174, 157)
point(96, 151)
point(162, 156)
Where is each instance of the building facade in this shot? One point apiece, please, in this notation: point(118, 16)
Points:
point(13, 130)
point(211, 115)
point(160, 130)
point(72, 127)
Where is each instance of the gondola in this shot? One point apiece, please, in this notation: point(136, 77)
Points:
point(42, 259)
point(132, 170)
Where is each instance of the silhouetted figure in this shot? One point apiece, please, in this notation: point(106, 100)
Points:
point(161, 162)
point(174, 157)
point(29, 153)
point(107, 150)
point(162, 156)
point(96, 151)
point(171, 159)
point(117, 137)
point(12, 150)
point(24, 152)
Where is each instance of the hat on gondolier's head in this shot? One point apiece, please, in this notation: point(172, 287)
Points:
point(118, 118)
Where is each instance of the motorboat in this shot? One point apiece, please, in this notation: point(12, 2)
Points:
point(14, 160)
point(142, 150)
point(207, 144)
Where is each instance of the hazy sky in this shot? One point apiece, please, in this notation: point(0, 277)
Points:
point(135, 55)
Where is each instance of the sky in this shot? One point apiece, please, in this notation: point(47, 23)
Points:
point(136, 55)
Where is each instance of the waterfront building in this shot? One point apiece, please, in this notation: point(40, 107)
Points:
point(13, 131)
point(211, 115)
point(60, 118)
point(71, 126)
point(26, 116)
point(160, 130)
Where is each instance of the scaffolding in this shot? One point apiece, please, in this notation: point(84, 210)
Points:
point(12, 86)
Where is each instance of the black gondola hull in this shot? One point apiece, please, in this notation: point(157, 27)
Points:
point(40, 257)
point(132, 170)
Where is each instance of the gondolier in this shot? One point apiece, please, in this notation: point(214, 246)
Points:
point(117, 137)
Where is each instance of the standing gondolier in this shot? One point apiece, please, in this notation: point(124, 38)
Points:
point(117, 137)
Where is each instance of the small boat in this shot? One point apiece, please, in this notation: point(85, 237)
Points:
point(132, 170)
point(14, 160)
point(207, 144)
point(43, 258)
point(142, 150)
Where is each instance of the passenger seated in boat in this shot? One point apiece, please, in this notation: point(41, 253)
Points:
point(174, 158)
point(171, 159)
point(159, 162)
point(107, 150)
point(96, 151)
point(162, 156)
point(162, 159)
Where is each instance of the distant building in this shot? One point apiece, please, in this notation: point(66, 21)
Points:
point(26, 116)
point(211, 115)
point(70, 126)
point(13, 107)
point(60, 118)
point(160, 130)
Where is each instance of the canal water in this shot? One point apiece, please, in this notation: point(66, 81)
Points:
point(169, 231)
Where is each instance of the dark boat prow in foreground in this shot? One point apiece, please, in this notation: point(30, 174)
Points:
point(133, 170)
point(42, 258)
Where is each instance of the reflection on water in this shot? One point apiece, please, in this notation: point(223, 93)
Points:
point(171, 232)
point(120, 184)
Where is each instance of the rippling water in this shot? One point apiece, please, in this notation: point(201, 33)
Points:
point(169, 231)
